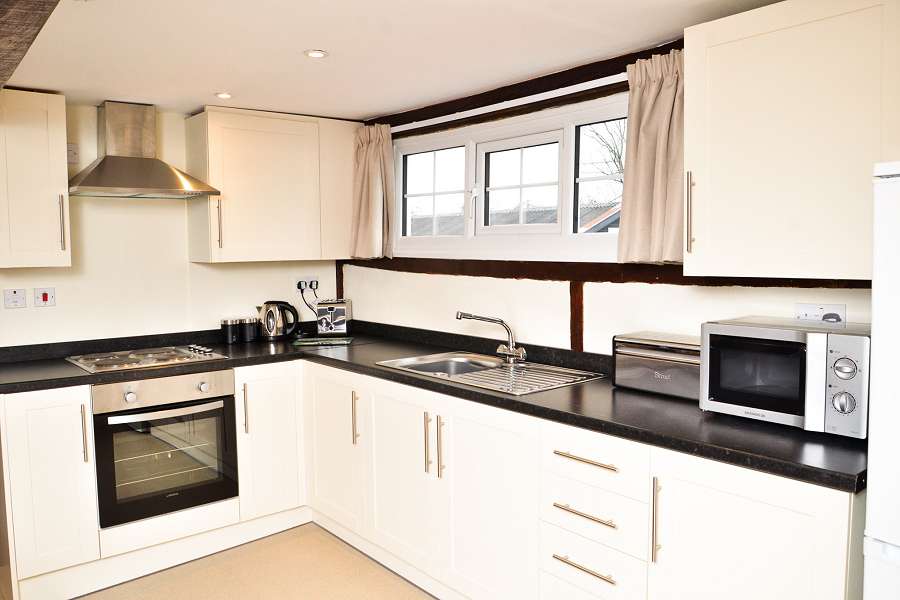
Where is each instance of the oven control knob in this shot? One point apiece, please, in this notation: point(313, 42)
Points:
point(203, 387)
point(844, 402)
point(845, 368)
point(130, 397)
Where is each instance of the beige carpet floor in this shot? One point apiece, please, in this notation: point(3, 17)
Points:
point(306, 562)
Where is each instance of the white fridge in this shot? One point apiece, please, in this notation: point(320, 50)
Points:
point(882, 543)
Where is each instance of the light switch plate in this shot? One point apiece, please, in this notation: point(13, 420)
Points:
point(836, 313)
point(15, 298)
point(45, 296)
point(72, 156)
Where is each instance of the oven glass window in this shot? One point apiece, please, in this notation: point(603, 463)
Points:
point(762, 374)
point(162, 459)
point(168, 455)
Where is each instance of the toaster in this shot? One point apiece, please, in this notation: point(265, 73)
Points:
point(664, 363)
point(333, 317)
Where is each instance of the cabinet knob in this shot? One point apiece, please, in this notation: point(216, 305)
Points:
point(130, 397)
point(203, 387)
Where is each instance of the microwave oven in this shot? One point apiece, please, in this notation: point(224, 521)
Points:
point(806, 374)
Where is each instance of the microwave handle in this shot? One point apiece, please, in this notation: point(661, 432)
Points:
point(816, 375)
point(164, 414)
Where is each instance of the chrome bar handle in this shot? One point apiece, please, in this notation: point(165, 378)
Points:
point(219, 214)
point(689, 220)
point(84, 435)
point(566, 560)
point(565, 507)
point(427, 421)
point(587, 461)
point(654, 525)
point(246, 412)
point(353, 399)
point(62, 222)
point(440, 447)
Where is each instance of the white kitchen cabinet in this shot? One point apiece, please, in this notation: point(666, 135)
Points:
point(285, 182)
point(787, 108)
point(410, 513)
point(491, 469)
point(48, 459)
point(338, 442)
point(34, 184)
point(728, 532)
point(268, 438)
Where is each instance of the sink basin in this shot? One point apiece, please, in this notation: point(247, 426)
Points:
point(490, 372)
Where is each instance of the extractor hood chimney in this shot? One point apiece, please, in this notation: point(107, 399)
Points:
point(127, 166)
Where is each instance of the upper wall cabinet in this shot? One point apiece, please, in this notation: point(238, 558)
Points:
point(34, 184)
point(787, 108)
point(286, 184)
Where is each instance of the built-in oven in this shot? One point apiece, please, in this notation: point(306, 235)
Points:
point(164, 444)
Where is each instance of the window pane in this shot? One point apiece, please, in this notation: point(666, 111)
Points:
point(503, 168)
point(419, 173)
point(599, 203)
point(450, 215)
point(450, 169)
point(419, 211)
point(540, 164)
point(601, 148)
point(503, 207)
point(541, 204)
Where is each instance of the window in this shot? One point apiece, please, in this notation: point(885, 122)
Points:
point(522, 186)
point(434, 192)
point(599, 164)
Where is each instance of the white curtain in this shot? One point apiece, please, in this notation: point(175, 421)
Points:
point(652, 215)
point(373, 193)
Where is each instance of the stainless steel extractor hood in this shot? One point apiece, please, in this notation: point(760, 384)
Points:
point(127, 166)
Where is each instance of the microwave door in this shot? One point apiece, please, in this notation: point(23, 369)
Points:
point(816, 367)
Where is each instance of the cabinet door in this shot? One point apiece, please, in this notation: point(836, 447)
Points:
point(268, 172)
point(409, 504)
point(338, 442)
point(269, 471)
point(49, 461)
point(785, 113)
point(337, 143)
point(34, 199)
point(491, 466)
point(728, 532)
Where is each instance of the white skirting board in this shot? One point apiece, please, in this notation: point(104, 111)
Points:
point(93, 576)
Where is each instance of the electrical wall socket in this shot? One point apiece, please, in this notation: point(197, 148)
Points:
point(307, 279)
point(15, 298)
point(835, 313)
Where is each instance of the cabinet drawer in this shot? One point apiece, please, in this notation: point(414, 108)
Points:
point(554, 588)
point(616, 521)
point(596, 569)
point(600, 460)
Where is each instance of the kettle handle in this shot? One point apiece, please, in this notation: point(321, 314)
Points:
point(295, 321)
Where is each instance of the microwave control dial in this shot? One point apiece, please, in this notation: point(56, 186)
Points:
point(203, 387)
point(130, 397)
point(844, 402)
point(845, 368)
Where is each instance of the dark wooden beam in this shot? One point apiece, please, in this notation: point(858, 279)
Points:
point(593, 272)
point(20, 22)
point(522, 109)
point(576, 315)
point(538, 85)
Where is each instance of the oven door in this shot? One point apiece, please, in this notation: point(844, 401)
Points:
point(156, 460)
point(757, 373)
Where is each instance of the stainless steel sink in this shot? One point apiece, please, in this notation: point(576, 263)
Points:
point(490, 372)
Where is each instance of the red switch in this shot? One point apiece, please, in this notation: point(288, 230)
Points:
point(45, 296)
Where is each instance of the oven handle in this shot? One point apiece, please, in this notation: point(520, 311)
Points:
point(164, 414)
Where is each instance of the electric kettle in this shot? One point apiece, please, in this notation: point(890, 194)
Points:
point(273, 319)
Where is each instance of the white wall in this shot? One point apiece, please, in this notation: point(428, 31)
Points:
point(538, 311)
point(130, 273)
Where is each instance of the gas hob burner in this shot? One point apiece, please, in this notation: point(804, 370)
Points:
point(143, 358)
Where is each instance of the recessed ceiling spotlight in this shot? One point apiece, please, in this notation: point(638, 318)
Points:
point(313, 53)
point(223, 95)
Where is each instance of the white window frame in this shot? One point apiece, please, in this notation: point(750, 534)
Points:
point(561, 244)
point(433, 194)
point(580, 180)
point(534, 139)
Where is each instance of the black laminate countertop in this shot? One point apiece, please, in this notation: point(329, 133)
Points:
point(827, 460)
